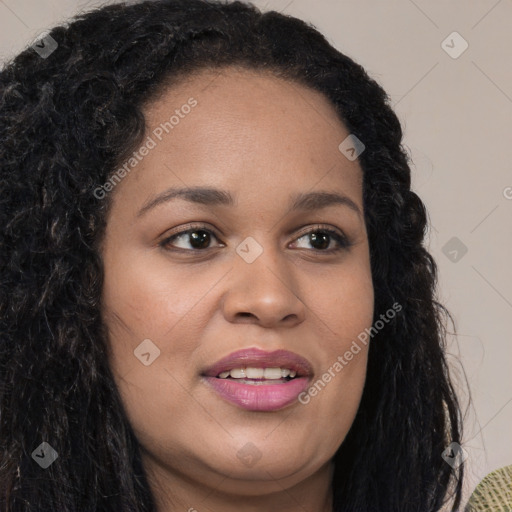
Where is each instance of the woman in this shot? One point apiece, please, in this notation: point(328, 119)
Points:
point(297, 363)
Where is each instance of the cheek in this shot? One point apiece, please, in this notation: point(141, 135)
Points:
point(343, 299)
point(345, 310)
point(144, 298)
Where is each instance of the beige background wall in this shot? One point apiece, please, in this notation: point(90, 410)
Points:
point(457, 116)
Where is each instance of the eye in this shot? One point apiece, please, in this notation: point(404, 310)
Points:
point(199, 239)
point(321, 238)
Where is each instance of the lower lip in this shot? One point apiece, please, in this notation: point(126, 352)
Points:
point(265, 397)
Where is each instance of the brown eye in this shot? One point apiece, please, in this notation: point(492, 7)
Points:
point(321, 238)
point(197, 238)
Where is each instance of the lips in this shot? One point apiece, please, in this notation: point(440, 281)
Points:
point(260, 394)
point(260, 359)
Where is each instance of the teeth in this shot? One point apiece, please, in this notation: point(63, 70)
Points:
point(260, 382)
point(238, 373)
point(258, 373)
point(272, 373)
point(255, 373)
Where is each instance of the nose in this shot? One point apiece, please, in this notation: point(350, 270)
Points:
point(265, 292)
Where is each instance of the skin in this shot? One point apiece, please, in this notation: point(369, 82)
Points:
point(261, 138)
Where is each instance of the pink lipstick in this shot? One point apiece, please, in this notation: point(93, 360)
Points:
point(260, 381)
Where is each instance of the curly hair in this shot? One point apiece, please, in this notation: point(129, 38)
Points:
point(66, 121)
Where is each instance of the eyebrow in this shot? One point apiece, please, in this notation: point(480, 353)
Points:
point(305, 201)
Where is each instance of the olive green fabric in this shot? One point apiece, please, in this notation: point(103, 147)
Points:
point(493, 493)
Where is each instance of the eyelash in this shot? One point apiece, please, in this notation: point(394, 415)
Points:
point(342, 240)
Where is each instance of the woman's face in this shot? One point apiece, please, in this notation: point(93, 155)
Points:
point(253, 274)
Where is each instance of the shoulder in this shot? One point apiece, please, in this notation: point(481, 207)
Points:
point(493, 493)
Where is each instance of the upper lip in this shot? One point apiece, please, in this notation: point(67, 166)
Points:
point(256, 358)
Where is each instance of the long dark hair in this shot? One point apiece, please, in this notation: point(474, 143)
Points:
point(66, 122)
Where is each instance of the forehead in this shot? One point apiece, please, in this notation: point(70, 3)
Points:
point(243, 101)
point(246, 129)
